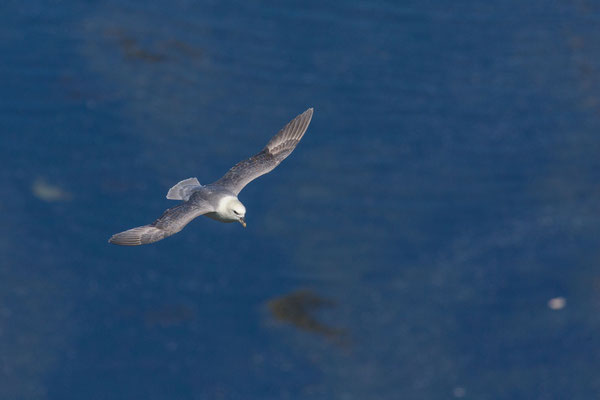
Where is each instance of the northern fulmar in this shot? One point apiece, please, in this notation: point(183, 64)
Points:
point(218, 200)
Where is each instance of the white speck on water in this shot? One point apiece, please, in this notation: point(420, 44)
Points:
point(48, 192)
point(557, 303)
point(459, 392)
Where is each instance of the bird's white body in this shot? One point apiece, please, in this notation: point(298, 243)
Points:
point(229, 209)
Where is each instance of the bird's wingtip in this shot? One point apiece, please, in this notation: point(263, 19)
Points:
point(308, 114)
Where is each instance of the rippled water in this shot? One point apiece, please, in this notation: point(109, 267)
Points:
point(445, 193)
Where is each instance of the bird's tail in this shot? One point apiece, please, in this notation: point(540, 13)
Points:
point(141, 235)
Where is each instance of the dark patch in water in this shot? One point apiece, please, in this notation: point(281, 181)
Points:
point(133, 50)
point(157, 51)
point(297, 308)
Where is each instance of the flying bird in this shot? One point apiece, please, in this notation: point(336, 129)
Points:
point(218, 200)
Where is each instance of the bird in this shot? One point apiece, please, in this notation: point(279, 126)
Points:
point(218, 200)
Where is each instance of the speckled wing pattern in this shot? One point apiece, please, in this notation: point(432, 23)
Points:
point(278, 148)
point(172, 221)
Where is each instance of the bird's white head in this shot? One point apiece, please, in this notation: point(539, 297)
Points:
point(232, 209)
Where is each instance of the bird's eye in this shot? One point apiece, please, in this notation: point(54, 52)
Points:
point(236, 213)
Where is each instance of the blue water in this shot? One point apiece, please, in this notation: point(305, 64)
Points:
point(446, 191)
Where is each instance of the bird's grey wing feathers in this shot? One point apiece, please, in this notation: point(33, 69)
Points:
point(184, 189)
point(278, 148)
point(172, 221)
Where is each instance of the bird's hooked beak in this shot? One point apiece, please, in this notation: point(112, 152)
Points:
point(242, 221)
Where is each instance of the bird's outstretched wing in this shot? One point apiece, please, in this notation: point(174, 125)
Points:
point(172, 221)
point(278, 148)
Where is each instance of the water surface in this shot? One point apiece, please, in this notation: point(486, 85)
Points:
point(445, 192)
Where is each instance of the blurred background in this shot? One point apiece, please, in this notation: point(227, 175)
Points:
point(433, 236)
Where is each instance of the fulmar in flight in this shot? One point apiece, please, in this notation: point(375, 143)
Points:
point(219, 199)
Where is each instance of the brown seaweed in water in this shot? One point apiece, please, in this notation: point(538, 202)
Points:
point(297, 308)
